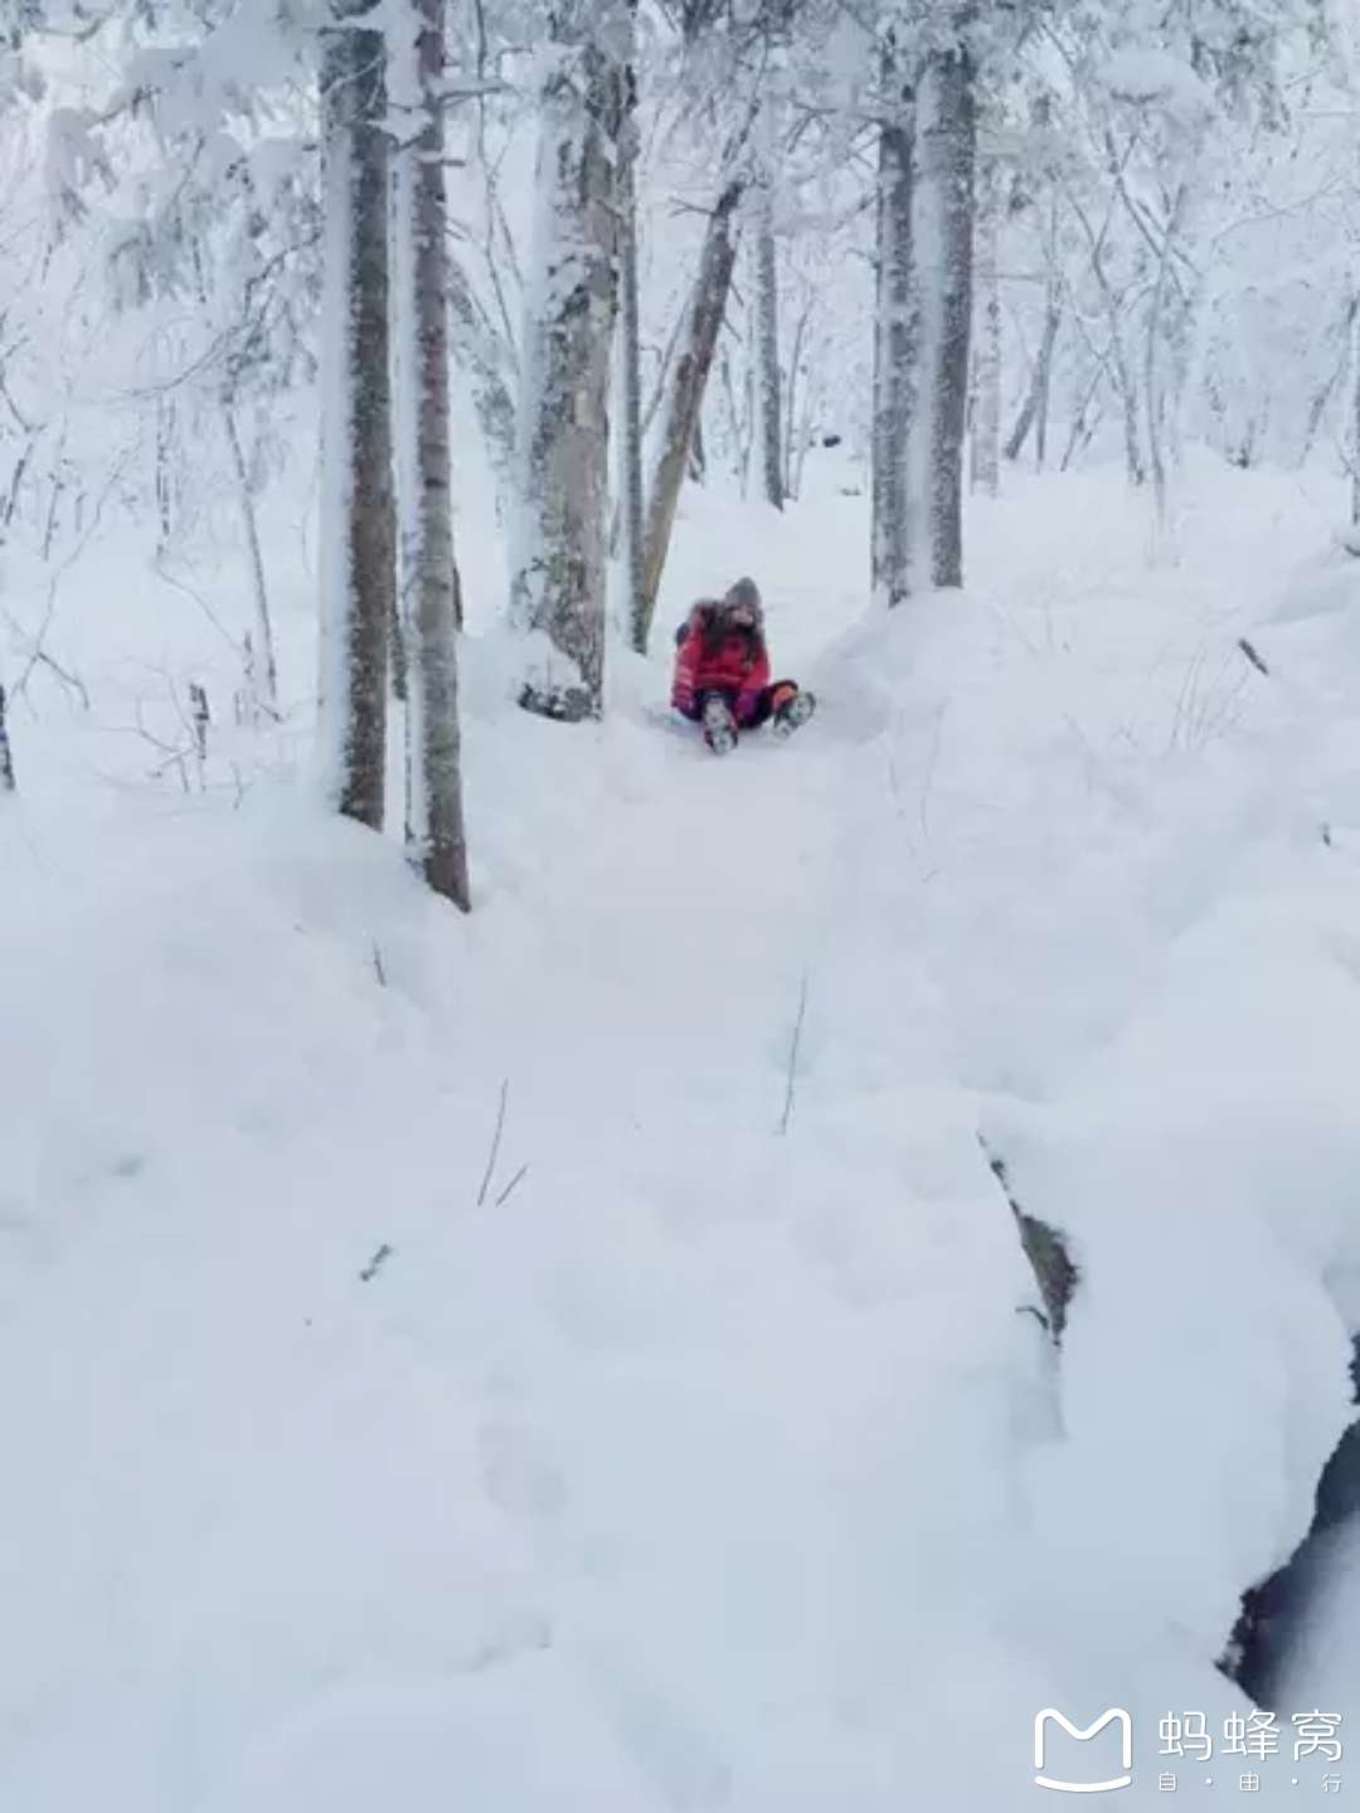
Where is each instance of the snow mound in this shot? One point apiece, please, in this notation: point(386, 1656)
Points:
point(580, 1355)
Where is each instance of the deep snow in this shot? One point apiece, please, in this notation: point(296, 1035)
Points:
point(705, 1455)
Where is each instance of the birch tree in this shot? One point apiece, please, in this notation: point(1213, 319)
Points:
point(923, 311)
point(358, 599)
point(434, 809)
point(895, 330)
point(769, 384)
point(1033, 413)
point(630, 361)
point(986, 424)
point(560, 565)
point(263, 673)
point(942, 233)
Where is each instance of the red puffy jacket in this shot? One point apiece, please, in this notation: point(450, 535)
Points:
point(738, 666)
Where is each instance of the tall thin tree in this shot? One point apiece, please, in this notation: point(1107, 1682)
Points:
point(358, 599)
point(630, 361)
point(946, 132)
point(986, 420)
point(434, 812)
point(896, 329)
point(769, 384)
point(558, 589)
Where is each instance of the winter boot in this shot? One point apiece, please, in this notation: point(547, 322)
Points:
point(792, 711)
point(720, 727)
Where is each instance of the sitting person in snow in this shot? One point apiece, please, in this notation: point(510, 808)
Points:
point(722, 671)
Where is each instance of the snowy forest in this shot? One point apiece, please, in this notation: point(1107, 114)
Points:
point(562, 1246)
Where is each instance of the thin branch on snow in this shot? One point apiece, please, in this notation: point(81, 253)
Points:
point(1249, 651)
point(510, 1186)
point(376, 1263)
point(495, 1143)
point(794, 1044)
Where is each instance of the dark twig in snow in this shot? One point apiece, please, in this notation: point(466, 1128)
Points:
point(793, 1055)
point(378, 969)
point(495, 1143)
point(1252, 655)
point(376, 1263)
point(510, 1186)
point(201, 716)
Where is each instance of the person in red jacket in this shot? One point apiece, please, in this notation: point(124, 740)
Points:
point(722, 671)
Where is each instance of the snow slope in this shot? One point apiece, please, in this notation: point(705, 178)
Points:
point(698, 1452)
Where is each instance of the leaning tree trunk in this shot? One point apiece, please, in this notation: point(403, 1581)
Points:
point(986, 467)
point(434, 801)
point(358, 600)
point(896, 341)
point(943, 223)
point(688, 379)
point(1034, 409)
point(768, 384)
point(264, 673)
point(558, 591)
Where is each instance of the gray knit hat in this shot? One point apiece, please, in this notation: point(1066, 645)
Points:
point(745, 593)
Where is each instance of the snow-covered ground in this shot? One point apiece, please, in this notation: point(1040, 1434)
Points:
point(687, 1444)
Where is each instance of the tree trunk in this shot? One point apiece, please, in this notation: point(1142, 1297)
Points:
point(943, 209)
point(767, 346)
point(1355, 412)
point(165, 434)
point(797, 410)
point(477, 350)
point(1153, 387)
point(1121, 379)
point(558, 592)
point(707, 307)
point(1080, 433)
point(1035, 406)
point(6, 754)
point(738, 424)
point(896, 339)
point(986, 467)
point(630, 367)
point(264, 683)
point(358, 556)
point(698, 458)
point(434, 785)
point(1347, 365)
